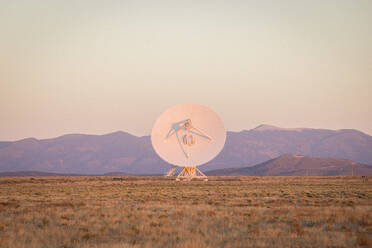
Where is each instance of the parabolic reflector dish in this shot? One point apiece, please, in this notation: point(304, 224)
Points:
point(188, 135)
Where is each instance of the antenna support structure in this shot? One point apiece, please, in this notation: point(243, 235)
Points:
point(188, 173)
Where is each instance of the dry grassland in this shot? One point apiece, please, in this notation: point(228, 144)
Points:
point(154, 212)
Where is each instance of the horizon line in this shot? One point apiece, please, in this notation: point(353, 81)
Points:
point(273, 128)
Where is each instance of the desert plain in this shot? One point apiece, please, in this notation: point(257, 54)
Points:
point(67, 212)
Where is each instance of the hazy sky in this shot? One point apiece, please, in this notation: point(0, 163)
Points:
point(101, 66)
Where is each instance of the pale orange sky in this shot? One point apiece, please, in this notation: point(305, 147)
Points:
point(101, 66)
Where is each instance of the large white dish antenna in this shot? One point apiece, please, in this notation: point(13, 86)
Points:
point(188, 135)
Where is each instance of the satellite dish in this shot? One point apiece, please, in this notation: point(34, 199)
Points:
point(188, 135)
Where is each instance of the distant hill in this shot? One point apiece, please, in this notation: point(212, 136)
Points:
point(83, 154)
point(297, 165)
point(123, 152)
point(51, 174)
point(4, 144)
point(266, 142)
point(117, 174)
point(34, 174)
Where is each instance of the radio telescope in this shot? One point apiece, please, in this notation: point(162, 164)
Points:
point(188, 135)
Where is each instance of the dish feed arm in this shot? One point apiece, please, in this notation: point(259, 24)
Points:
point(200, 133)
point(175, 127)
point(181, 146)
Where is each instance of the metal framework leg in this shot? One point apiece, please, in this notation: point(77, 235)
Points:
point(190, 172)
point(171, 172)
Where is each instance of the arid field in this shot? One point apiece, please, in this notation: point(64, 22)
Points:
point(157, 212)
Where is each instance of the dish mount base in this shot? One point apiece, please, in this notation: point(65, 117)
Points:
point(190, 172)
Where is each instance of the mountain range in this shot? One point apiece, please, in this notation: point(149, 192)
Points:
point(123, 152)
point(298, 165)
